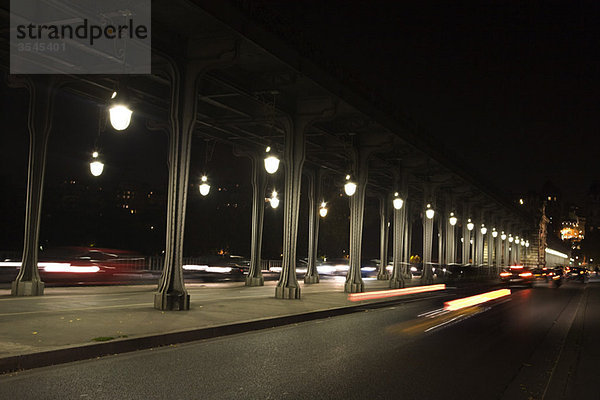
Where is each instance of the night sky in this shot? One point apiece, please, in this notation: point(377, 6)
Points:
point(513, 88)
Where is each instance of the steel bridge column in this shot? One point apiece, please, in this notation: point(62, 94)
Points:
point(441, 237)
point(399, 242)
point(478, 243)
point(407, 241)
point(287, 286)
point(466, 245)
point(259, 183)
point(382, 273)
point(450, 242)
point(185, 76)
point(354, 282)
point(427, 275)
point(42, 91)
point(314, 196)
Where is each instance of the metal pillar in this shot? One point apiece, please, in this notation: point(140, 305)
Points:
point(294, 155)
point(314, 197)
point(428, 199)
point(399, 247)
point(440, 235)
point(427, 275)
point(259, 183)
point(382, 273)
point(184, 76)
point(354, 282)
point(498, 253)
point(466, 245)
point(42, 90)
point(407, 242)
point(450, 242)
point(287, 286)
point(478, 244)
point(505, 257)
point(171, 293)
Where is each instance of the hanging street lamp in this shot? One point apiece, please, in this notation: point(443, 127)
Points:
point(119, 112)
point(398, 202)
point(350, 186)
point(271, 161)
point(453, 220)
point(96, 166)
point(323, 210)
point(204, 186)
point(429, 213)
point(274, 201)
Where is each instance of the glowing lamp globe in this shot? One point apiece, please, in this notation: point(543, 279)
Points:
point(510, 238)
point(494, 233)
point(503, 236)
point(96, 166)
point(398, 202)
point(323, 210)
point(429, 213)
point(274, 201)
point(204, 186)
point(120, 116)
point(470, 225)
point(483, 230)
point(350, 186)
point(453, 220)
point(271, 162)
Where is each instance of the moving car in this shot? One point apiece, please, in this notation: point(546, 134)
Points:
point(517, 275)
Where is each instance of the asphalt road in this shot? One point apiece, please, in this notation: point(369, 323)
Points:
point(512, 348)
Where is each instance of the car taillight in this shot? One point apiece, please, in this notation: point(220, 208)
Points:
point(525, 274)
point(503, 274)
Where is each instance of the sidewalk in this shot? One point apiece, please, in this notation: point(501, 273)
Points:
point(75, 323)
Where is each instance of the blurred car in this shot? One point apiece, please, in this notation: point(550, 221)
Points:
point(217, 268)
point(517, 275)
point(83, 264)
point(579, 274)
point(553, 275)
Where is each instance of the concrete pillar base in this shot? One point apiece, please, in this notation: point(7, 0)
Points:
point(27, 288)
point(255, 281)
point(397, 283)
point(352, 287)
point(172, 301)
point(383, 277)
point(289, 292)
point(311, 278)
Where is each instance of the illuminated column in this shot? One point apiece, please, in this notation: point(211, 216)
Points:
point(428, 216)
point(399, 244)
point(294, 154)
point(440, 234)
point(466, 234)
point(498, 252)
point(450, 239)
point(171, 293)
point(259, 183)
point(314, 201)
point(506, 245)
point(354, 282)
point(490, 246)
point(478, 242)
point(407, 240)
point(42, 90)
point(384, 219)
point(288, 286)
